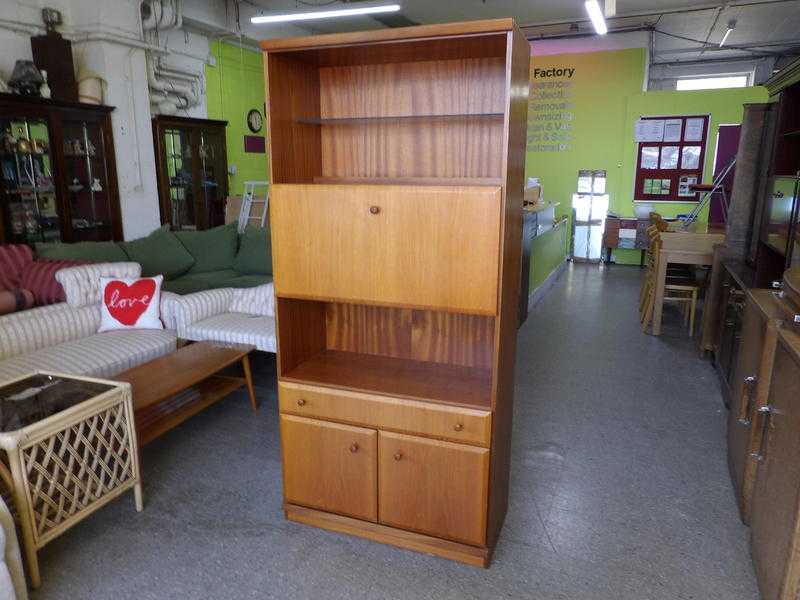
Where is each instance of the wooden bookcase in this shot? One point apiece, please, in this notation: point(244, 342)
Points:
point(397, 162)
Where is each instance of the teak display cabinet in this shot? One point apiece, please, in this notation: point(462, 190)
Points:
point(397, 162)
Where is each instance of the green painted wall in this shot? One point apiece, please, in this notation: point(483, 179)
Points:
point(233, 87)
point(575, 121)
point(595, 113)
point(593, 123)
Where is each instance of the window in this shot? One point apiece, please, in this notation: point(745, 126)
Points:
point(713, 82)
point(667, 167)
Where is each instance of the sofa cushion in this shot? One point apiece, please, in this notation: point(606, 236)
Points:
point(255, 252)
point(13, 260)
point(99, 355)
point(40, 278)
point(82, 284)
point(160, 253)
point(212, 249)
point(198, 282)
point(235, 328)
point(38, 328)
point(246, 281)
point(259, 300)
point(183, 286)
point(85, 251)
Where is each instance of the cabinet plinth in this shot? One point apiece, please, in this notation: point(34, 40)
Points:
point(396, 163)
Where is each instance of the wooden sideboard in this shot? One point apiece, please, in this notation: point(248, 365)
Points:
point(764, 434)
point(397, 163)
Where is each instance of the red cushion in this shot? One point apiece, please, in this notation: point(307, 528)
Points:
point(13, 260)
point(40, 278)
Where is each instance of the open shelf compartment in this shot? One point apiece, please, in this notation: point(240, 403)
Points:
point(425, 355)
point(386, 114)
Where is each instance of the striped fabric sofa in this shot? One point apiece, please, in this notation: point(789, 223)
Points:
point(230, 315)
point(63, 337)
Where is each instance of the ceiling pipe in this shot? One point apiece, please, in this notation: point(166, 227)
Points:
point(658, 13)
point(185, 92)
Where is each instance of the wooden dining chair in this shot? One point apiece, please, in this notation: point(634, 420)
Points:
point(678, 290)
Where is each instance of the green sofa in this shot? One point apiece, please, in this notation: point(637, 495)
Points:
point(191, 261)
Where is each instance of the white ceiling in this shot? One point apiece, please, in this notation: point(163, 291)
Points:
point(764, 27)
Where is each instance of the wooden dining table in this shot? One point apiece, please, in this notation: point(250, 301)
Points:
point(694, 246)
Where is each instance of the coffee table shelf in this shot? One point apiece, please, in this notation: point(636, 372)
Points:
point(157, 419)
point(177, 386)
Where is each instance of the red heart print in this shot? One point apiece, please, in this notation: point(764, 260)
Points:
point(126, 303)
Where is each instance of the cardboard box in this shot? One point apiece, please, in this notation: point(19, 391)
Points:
point(533, 194)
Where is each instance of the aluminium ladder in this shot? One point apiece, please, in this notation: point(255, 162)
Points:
point(249, 199)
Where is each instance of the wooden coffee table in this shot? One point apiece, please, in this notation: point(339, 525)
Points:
point(174, 387)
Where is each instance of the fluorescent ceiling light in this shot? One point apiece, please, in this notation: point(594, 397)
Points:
point(731, 27)
point(325, 14)
point(596, 15)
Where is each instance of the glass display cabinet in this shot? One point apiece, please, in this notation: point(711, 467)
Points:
point(58, 177)
point(191, 160)
point(778, 210)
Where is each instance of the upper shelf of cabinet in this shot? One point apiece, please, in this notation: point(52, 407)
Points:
point(389, 118)
point(431, 42)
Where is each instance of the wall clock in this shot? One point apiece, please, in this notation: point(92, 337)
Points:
point(255, 120)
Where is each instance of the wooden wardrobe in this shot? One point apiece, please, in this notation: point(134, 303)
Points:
point(397, 162)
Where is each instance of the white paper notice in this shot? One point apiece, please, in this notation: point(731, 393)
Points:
point(694, 130)
point(649, 157)
point(649, 130)
point(672, 130)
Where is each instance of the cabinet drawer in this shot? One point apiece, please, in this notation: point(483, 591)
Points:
point(466, 425)
point(433, 487)
point(419, 246)
point(329, 466)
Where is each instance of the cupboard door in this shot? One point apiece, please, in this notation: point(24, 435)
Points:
point(420, 246)
point(433, 487)
point(776, 554)
point(743, 392)
point(330, 467)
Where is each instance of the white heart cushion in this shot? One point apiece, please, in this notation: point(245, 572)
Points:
point(130, 303)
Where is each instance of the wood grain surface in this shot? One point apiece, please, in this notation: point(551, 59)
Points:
point(330, 466)
point(433, 487)
point(451, 423)
point(398, 245)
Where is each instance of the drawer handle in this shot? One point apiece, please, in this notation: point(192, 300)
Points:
point(766, 412)
point(458, 426)
point(398, 455)
point(374, 210)
point(747, 406)
point(354, 447)
point(301, 402)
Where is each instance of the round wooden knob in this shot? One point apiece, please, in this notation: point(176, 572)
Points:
point(398, 455)
point(354, 447)
point(458, 426)
point(374, 209)
point(301, 402)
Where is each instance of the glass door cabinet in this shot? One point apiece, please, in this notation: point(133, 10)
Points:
point(57, 173)
point(192, 167)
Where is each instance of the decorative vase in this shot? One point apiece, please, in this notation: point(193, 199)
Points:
point(44, 89)
point(90, 87)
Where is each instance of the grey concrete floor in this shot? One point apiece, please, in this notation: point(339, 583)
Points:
point(619, 487)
